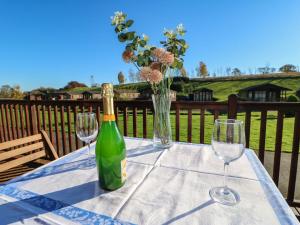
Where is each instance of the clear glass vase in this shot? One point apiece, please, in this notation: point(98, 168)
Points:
point(162, 132)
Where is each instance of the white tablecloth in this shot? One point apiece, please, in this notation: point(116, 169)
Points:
point(163, 187)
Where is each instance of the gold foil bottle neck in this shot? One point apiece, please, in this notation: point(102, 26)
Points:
point(107, 96)
point(107, 90)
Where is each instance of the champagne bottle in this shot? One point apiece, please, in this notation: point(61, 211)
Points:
point(110, 146)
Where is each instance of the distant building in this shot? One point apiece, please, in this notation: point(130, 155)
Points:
point(126, 94)
point(57, 95)
point(89, 95)
point(35, 95)
point(64, 95)
point(264, 93)
point(70, 95)
point(202, 95)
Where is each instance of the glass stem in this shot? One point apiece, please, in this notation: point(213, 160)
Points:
point(225, 173)
point(89, 150)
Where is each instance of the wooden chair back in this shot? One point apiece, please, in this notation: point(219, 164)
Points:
point(20, 151)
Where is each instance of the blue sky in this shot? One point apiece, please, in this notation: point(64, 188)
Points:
point(50, 42)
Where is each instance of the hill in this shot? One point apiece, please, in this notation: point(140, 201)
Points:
point(224, 86)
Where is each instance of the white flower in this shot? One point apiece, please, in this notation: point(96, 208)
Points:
point(180, 29)
point(118, 18)
point(169, 33)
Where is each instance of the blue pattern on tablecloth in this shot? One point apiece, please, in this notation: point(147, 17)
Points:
point(59, 208)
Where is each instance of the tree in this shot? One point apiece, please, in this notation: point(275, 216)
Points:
point(267, 69)
point(236, 72)
point(250, 71)
point(137, 77)
point(6, 91)
point(74, 84)
point(288, 68)
point(132, 76)
point(202, 70)
point(121, 78)
point(45, 89)
point(228, 71)
point(17, 92)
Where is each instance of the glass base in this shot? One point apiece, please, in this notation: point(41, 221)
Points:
point(89, 164)
point(162, 146)
point(224, 195)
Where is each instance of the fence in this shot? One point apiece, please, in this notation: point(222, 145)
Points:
point(19, 118)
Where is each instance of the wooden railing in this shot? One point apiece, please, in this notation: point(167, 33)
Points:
point(19, 118)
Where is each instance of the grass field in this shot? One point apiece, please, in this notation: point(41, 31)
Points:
point(288, 127)
point(254, 134)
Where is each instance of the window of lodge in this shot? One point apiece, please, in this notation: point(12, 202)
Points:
point(260, 95)
point(250, 94)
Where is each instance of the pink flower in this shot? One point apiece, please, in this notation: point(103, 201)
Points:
point(151, 76)
point(163, 56)
point(155, 65)
point(145, 73)
point(127, 55)
point(156, 77)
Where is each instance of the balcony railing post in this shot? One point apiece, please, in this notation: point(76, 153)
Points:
point(294, 160)
point(232, 106)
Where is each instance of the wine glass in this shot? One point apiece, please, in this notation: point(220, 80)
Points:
point(86, 131)
point(228, 143)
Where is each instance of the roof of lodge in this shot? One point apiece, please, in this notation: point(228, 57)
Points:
point(91, 92)
point(36, 92)
point(265, 86)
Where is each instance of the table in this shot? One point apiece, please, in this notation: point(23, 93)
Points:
point(163, 187)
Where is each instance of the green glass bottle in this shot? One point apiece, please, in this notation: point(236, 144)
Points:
point(110, 146)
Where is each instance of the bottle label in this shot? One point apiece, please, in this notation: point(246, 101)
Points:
point(123, 170)
point(109, 117)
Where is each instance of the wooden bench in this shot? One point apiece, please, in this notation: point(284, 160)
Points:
point(16, 155)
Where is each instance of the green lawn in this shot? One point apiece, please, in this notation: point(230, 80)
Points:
point(254, 134)
point(288, 127)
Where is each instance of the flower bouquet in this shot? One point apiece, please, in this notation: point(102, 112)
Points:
point(156, 66)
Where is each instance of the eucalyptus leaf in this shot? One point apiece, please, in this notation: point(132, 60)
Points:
point(130, 35)
point(129, 23)
point(143, 43)
point(182, 41)
point(140, 60)
point(122, 37)
point(147, 53)
point(130, 47)
point(179, 64)
point(181, 51)
point(119, 28)
point(147, 61)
